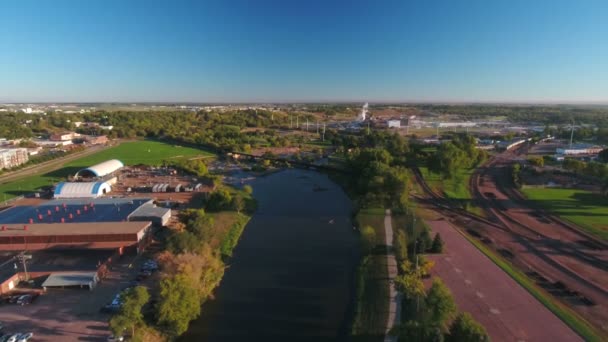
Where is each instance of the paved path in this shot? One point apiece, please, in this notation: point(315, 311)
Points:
point(394, 310)
point(507, 310)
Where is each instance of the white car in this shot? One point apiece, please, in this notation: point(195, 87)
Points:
point(13, 338)
point(25, 337)
point(113, 338)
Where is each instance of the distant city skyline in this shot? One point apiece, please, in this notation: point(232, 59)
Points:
point(514, 52)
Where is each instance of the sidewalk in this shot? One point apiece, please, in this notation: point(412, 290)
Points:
point(394, 311)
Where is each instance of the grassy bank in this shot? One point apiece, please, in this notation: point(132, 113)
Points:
point(586, 209)
point(455, 188)
point(131, 153)
point(571, 318)
point(372, 284)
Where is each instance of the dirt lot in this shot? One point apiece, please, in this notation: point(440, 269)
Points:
point(71, 314)
point(505, 309)
point(564, 261)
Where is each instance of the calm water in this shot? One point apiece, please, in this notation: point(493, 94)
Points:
point(292, 274)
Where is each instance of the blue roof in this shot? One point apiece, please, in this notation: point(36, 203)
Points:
point(59, 187)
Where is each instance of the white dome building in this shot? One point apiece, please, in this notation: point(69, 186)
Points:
point(81, 190)
point(101, 169)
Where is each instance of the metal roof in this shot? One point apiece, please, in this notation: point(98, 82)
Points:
point(81, 189)
point(70, 279)
point(104, 168)
point(88, 228)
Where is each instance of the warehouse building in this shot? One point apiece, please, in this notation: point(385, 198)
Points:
point(579, 149)
point(100, 170)
point(81, 189)
point(150, 212)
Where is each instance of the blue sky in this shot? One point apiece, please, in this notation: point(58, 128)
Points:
point(241, 51)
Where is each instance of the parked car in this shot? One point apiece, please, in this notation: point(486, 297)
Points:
point(26, 299)
point(25, 337)
point(13, 338)
point(5, 337)
point(13, 299)
point(113, 338)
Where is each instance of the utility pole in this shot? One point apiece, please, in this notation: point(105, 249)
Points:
point(571, 133)
point(23, 257)
point(306, 124)
point(317, 126)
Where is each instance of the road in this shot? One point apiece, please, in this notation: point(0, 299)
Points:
point(503, 307)
point(394, 310)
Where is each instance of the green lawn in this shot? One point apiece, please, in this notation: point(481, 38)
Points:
point(131, 153)
point(583, 208)
point(456, 188)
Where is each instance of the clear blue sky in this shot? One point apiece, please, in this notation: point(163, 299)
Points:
point(308, 50)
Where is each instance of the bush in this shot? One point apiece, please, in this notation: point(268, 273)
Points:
point(219, 200)
point(368, 240)
point(437, 246)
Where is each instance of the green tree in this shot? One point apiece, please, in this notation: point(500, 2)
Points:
point(401, 245)
point(603, 155)
point(537, 161)
point(440, 304)
point(179, 303)
point(437, 245)
point(248, 189)
point(182, 242)
point(368, 239)
point(465, 329)
point(130, 314)
point(237, 203)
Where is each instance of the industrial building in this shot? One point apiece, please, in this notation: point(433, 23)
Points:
point(100, 170)
point(579, 149)
point(81, 189)
point(11, 157)
point(393, 123)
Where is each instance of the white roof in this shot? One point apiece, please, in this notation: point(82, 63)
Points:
point(71, 279)
point(104, 168)
point(81, 189)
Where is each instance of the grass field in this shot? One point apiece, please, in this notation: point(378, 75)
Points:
point(372, 284)
point(571, 318)
point(131, 153)
point(583, 208)
point(456, 188)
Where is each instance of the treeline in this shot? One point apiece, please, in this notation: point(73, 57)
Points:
point(192, 266)
point(460, 153)
point(558, 114)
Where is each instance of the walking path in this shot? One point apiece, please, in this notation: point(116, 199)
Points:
point(394, 310)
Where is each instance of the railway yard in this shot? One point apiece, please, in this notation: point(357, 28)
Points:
point(564, 261)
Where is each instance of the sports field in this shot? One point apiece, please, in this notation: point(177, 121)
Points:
point(585, 209)
point(130, 153)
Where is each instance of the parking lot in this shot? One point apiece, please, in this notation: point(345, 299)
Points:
point(71, 314)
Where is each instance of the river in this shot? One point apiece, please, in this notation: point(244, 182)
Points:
point(292, 274)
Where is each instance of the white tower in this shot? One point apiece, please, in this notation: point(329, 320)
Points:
point(363, 113)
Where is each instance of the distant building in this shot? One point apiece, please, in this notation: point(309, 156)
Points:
point(394, 123)
point(65, 136)
point(456, 124)
point(12, 157)
point(579, 149)
point(96, 140)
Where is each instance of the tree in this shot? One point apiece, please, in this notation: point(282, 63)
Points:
point(238, 204)
point(603, 155)
point(465, 328)
point(439, 303)
point(409, 282)
point(248, 189)
point(401, 245)
point(368, 239)
point(437, 245)
point(179, 303)
point(130, 311)
point(537, 161)
point(424, 241)
point(181, 242)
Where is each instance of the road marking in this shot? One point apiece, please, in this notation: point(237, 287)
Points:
point(495, 311)
point(468, 282)
point(479, 294)
point(458, 270)
point(448, 259)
